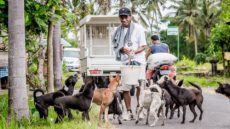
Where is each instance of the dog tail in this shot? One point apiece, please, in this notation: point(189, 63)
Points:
point(195, 85)
point(58, 94)
point(36, 93)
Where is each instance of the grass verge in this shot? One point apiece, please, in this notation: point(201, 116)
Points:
point(36, 123)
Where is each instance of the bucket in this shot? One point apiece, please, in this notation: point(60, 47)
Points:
point(142, 75)
point(130, 74)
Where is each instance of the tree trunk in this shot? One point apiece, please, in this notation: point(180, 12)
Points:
point(57, 56)
point(41, 58)
point(195, 41)
point(18, 99)
point(50, 56)
point(158, 28)
point(133, 8)
point(223, 60)
point(122, 3)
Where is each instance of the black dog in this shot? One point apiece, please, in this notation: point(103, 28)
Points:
point(170, 102)
point(115, 107)
point(183, 97)
point(224, 89)
point(80, 101)
point(43, 102)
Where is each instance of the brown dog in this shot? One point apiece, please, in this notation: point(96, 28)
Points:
point(105, 96)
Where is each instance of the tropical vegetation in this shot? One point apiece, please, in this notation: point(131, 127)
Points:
point(31, 30)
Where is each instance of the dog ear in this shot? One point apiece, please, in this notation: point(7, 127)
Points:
point(166, 78)
point(118, 77)
point(180, 83)
point(174, 78)
point(111, 78)
point(220, 84)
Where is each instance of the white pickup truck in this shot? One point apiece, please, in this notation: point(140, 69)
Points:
point(97, 57)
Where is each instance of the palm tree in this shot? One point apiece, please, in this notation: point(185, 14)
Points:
point(104, 6)
point(149, 12)
point(57, 65)
point(209, 15)
point(50, 79)
point(18, 98)
point(187, 13)
point(122, 3)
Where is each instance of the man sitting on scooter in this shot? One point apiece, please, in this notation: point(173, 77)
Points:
point(158, 47)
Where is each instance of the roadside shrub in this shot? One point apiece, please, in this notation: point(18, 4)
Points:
point(64, 68)
point(200, 58)
point(32, 68)
point(185, 64)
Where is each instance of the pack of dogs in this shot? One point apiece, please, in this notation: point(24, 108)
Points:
point(157, 99)
point(43, 101)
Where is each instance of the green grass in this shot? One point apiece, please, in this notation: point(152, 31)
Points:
point(36, 123)
point(209, 81)
point(203, 81)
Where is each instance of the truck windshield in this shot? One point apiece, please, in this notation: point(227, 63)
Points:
point(73, 54)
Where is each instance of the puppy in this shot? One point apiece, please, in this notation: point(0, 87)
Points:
point(80, 101)
point(183, 97)
point(42, 102)
point(224, 89)
point(153, 100)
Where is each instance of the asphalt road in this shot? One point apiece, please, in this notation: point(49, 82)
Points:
point(216, 116)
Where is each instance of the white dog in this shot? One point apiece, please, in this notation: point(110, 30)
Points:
point(152, 101)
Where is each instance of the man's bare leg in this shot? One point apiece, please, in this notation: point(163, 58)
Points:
point(127, 99)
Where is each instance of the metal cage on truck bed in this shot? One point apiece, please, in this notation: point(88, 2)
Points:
point(97, 57)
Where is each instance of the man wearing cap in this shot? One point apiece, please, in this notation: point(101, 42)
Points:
point(129, 44)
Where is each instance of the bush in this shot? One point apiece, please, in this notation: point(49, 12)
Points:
point(200, 58)
point(64, 68)
point(32, 68)
point(186, 63)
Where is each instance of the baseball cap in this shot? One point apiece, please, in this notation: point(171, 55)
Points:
point(124, 11)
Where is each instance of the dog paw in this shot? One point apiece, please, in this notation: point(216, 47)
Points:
point(137, 122)
point(182, 122)
point(192, 121)
point(99, 124)
point(153, 125)
point(108, 125)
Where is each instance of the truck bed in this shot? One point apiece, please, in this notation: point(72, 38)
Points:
point(100, 66)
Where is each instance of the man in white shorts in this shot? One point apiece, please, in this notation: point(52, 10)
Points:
point(129, 45)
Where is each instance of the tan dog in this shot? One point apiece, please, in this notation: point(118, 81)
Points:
point(105, 96)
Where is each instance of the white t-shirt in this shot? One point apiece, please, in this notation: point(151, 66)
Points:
point(137, 39)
